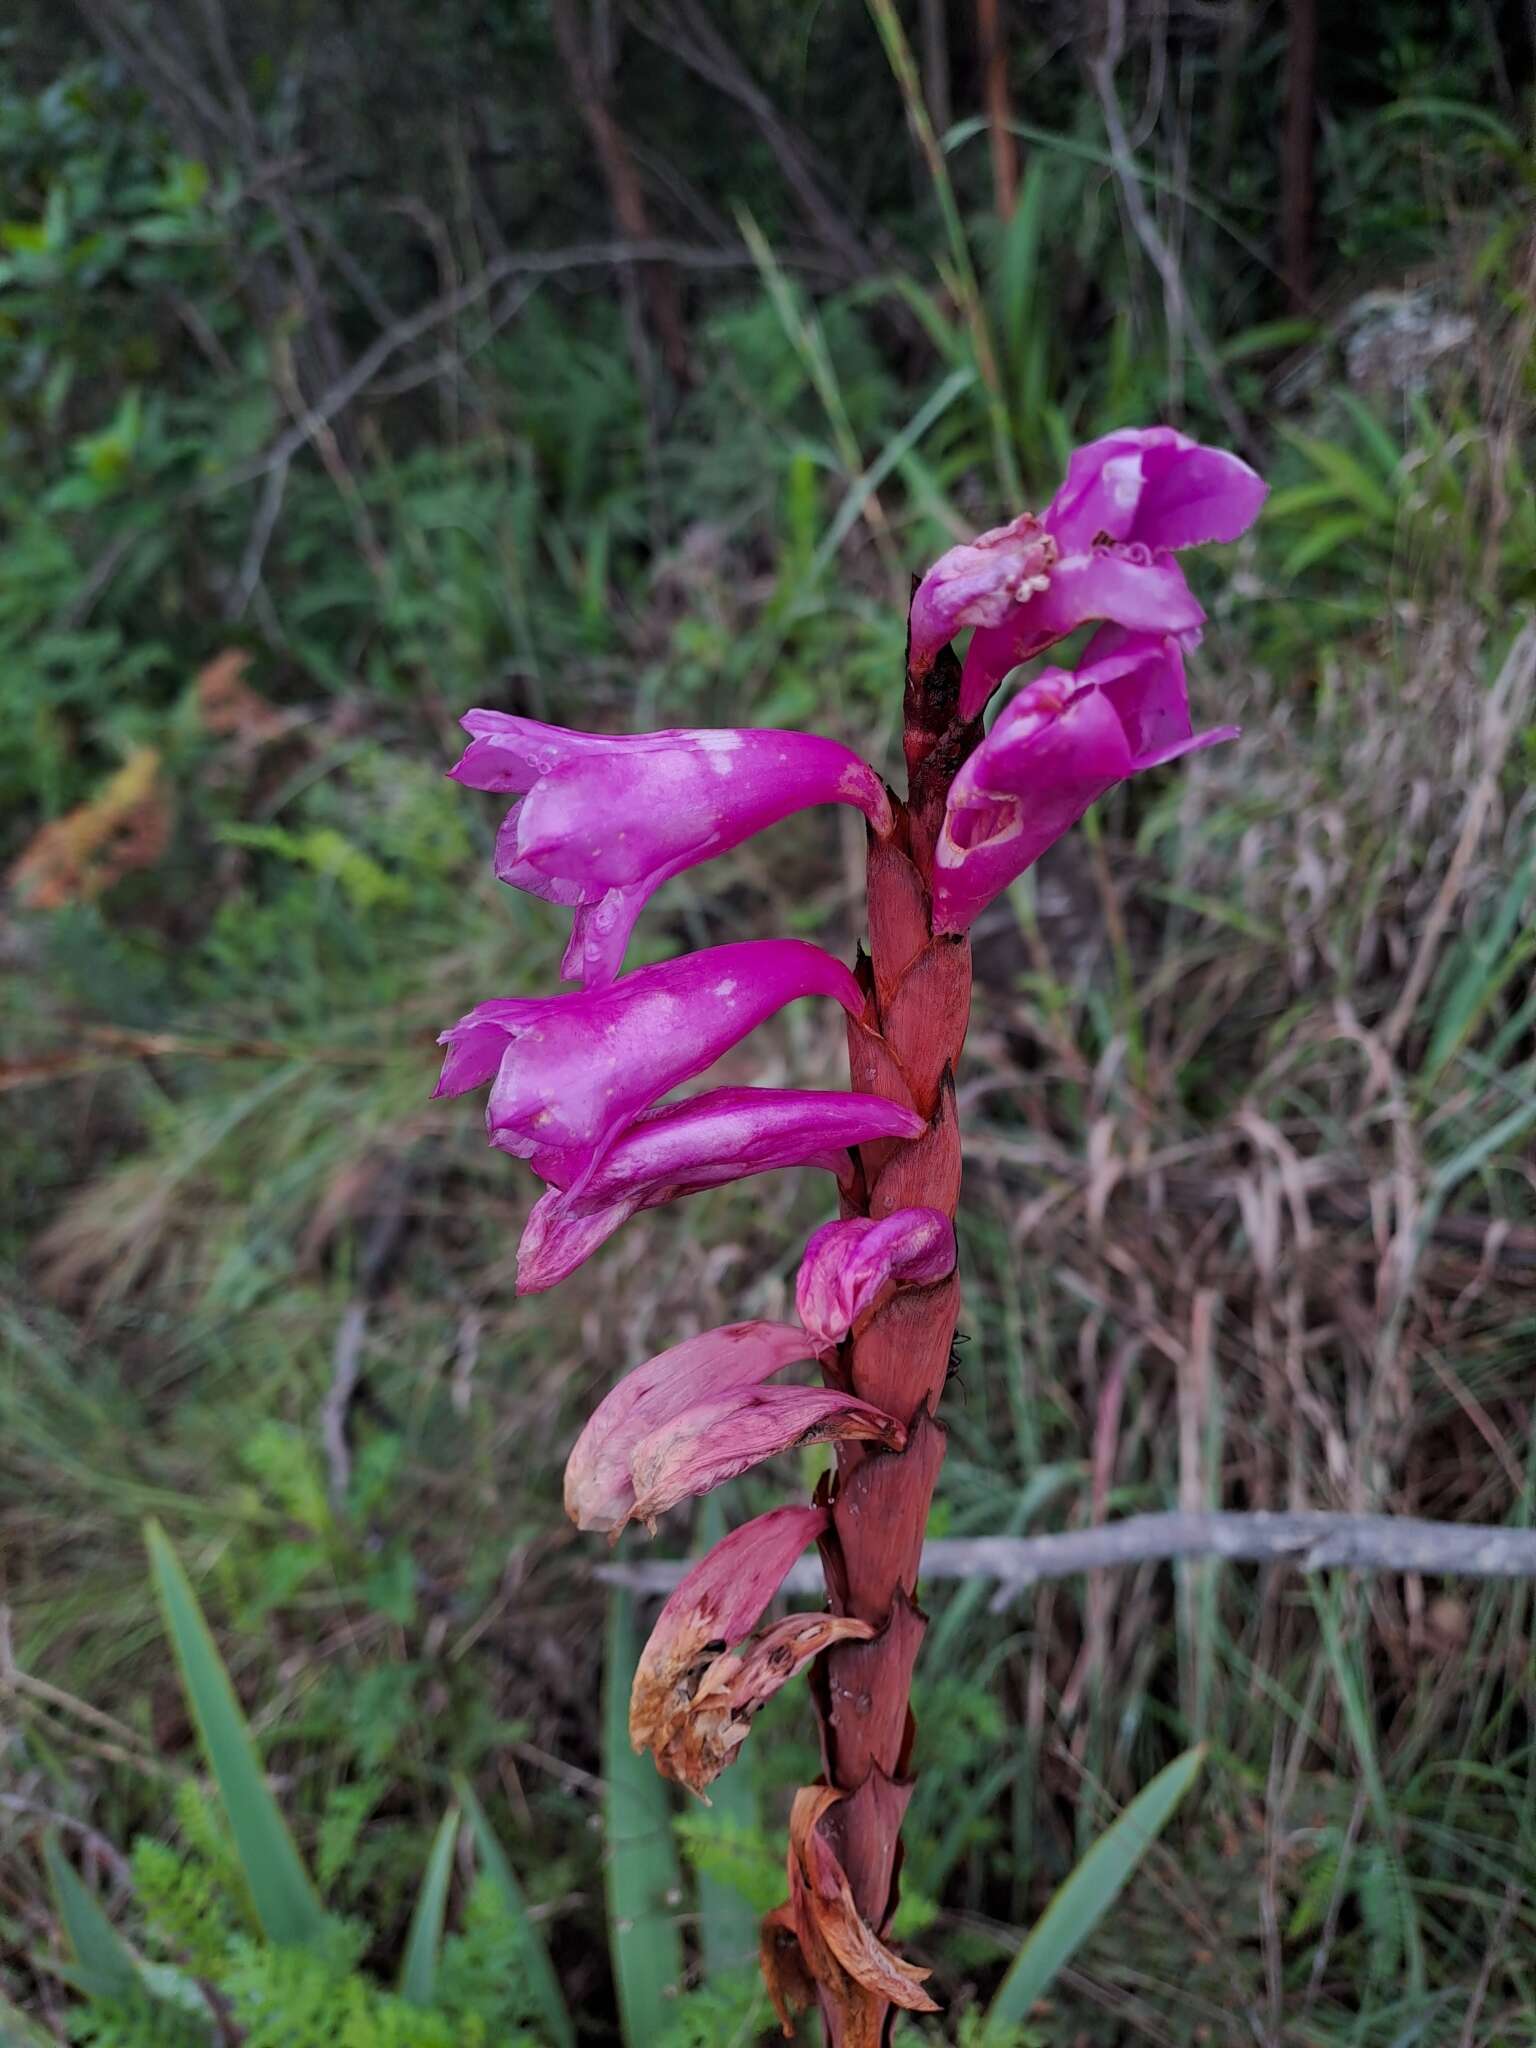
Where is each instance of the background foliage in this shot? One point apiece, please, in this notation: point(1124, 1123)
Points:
point(331, 402)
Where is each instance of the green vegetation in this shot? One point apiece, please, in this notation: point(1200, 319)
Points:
point(1251, 1086)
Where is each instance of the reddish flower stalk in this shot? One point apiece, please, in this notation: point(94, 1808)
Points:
point(905, 1048)
point(577, 1083)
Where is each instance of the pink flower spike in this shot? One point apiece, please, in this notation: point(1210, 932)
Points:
point(725, 1135)
point(599, 1492)
point(700, 1449)
point(571, 1071)
point(606, 819)
point(1055, 749)
point(716, 1607)
point(851, 1266)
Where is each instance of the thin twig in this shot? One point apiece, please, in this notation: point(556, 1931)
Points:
point(1310, 1541)
point(1180, 313)
point(347, 1354)
point(537, 262)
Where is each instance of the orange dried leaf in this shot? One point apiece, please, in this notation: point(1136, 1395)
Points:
point(75, 858)
point(790, 1984)
point(230, 708)
point(701, 1735)
point(857, 1973)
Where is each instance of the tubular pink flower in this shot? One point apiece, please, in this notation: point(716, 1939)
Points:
point(572, 1070)
point(599, 1492)
point(606, 819)
point(726, 1135)
point(850, 1267)
point(692, 1698)
point(1100, 551)
point(1056, 748)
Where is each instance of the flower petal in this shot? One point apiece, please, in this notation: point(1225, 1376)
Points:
point(978, 583)
point(509, 754)
point(718, 1440)
point(576, 1069)
point(725, 1135)
point(1144, 592)
point(1054, 750)
point(599, 1493)
point(1156, 486)
point(606, 815)
point(851, 1265)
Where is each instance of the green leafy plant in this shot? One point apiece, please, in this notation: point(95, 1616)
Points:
point(233, 1928)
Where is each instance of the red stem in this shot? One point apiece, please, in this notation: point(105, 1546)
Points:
point(905, 1049)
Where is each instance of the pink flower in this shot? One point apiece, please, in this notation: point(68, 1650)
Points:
point(700, 1414)
point(599, 1492)
point(571, 1071)
point(979, 582)
point(1056, 748)
point(851, 1266)
point(605, 820)
point(719, 1440)
point(693, 1698)
point(687, 1146)
point(1101, 551)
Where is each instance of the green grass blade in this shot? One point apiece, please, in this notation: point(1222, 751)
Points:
point(1355, 482)
point(103, 1966)
point(286, 1903)
point(643, 1880)
point(890, 457)
point(17, 2031)
point(418, 1968)
point(1087, 1895)
point(1488, 960)
point(1341, 1649)
point(541, 1976)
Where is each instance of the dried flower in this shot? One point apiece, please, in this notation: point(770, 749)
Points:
point(692, 1699)
point(599, 1493)
point(699, 1415)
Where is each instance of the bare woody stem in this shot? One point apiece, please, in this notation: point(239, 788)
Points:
point(905, 1049)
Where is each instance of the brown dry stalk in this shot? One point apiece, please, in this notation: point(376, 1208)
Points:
point(905, 1048)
